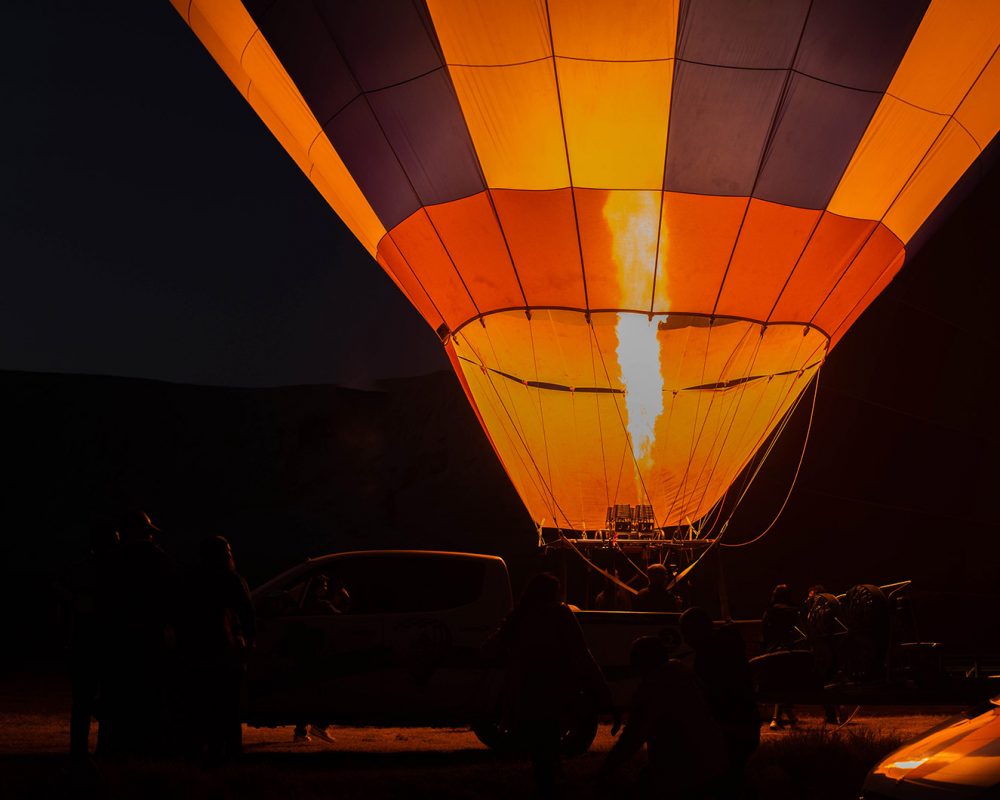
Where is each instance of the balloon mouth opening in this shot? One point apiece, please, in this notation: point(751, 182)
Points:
point(624, 407)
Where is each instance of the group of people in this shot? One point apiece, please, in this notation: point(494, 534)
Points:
point(157, 656)
point(697, 717)
point(784, 626)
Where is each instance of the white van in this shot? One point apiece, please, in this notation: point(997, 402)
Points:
point(406, 650)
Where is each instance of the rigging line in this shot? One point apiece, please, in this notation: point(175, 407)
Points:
point(795, 477)
point(711, 519)
point(518, 452)
point(696, 434)
point(754, 463)
point(732, 414)
point(628, 439)
point(497, 361)
point(775, 435)
point(907, 182)
point(621, 470)
point(600, 427)
point(555, 503)
point(576, 436)
point(514, 420)
point(768, 430)
point(617, 581)
point(690, 567)
point(569, 166)
point(696, 438)
point(774, 416)
point(754, 451)
point(704, 366)
point(541, 413)
point(639, 570)
point(772, 131)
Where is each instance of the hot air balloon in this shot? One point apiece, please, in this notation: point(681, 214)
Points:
point(637, 227)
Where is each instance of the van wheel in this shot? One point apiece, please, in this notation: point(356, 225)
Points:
point(575, 740)
point(493, 736)
point(578, 736)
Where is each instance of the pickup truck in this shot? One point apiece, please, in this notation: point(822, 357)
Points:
point(406, 650)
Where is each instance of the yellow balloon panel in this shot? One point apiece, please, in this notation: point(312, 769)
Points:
point(596, 29)
point(615, 115)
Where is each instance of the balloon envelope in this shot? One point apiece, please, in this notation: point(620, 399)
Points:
point(638, 227)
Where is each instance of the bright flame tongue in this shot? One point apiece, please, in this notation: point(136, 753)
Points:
point(639, 359)
point(632, 220)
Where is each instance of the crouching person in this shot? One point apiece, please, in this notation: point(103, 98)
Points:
point(670, 715)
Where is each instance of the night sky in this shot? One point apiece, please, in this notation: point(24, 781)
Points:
point(154, 228)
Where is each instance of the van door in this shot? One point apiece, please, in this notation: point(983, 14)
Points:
point(317, 658)
point(433, 636)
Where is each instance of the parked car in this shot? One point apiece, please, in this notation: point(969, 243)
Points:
point(958, 758)
point(405, 649)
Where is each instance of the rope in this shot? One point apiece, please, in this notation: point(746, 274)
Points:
point(842, 724)
point(795, 477)
point(617, 581)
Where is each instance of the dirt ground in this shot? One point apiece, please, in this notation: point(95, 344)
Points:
point(362, 762)
point(28, 733)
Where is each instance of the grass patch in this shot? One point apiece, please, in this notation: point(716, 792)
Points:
point(818, 764)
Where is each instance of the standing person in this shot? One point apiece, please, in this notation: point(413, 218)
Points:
point(818, 620)
point(221, 625)
point(779, 632)
point(656, 596)
point(670, 715)
point(138, 611)
point(550, 674)
point(317, 603)
point(80, 589)
point(720, 661)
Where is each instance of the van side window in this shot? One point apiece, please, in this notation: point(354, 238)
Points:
point(408, 584)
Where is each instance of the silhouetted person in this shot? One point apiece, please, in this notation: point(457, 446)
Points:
point(220, 633)
point(655, 597)
point(138, 616)
point(551, 677)
point(80, 588)
point(778, 632)
point(720, 661)
point(818, 619)
point(670, 715)
point(317, 602)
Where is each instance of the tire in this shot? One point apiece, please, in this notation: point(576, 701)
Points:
point(575, 740)
point(578, 736)
point(493, 736)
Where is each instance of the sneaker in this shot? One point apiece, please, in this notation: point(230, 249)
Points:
point(321, 733)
